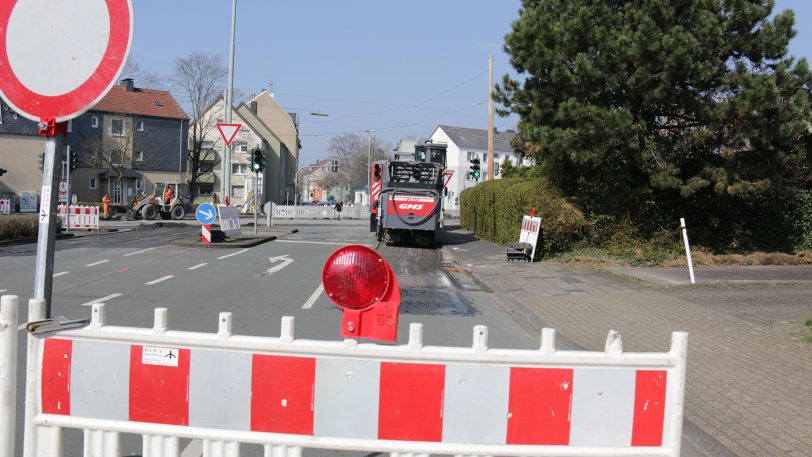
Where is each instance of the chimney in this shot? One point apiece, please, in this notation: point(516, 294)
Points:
point(254, 107)
point(127, 83)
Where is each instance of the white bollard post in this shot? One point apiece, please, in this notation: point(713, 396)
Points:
point(9, 306)
point(687, 249)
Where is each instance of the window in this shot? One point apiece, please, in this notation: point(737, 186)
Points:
point(94, 122)
point(239, 168)
point(207, 145)
point(472, 155)
point(238, 191)
point(240, 146)
point(92, 183)
point(520, 160)
point(205, 189)
point(139, 156)
point(117, 127)
point(140, 126)
point(495, 157)
point(496, 168)
point(138, 184)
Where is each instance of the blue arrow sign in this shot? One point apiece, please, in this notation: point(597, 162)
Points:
point(206, 213)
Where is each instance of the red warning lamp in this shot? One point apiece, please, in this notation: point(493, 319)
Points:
point(360, 282)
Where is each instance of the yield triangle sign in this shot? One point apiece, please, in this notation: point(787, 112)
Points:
point(228, 131)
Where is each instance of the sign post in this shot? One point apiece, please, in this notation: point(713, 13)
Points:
point(206, 214)
point(83, 64)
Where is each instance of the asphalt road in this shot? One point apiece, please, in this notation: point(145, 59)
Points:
point(135, 271)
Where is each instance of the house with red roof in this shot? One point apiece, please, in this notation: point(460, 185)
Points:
point(132, 139)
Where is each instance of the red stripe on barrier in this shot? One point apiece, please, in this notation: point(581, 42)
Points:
point(56, 358)
point(282, 391)
point(411, 402)
point(649, 408)
point(159, 393)
point(539, 406)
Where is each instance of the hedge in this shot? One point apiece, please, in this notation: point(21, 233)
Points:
point(493, 210)
point(17, 226)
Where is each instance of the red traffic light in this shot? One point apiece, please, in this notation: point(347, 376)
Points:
point(355, 277)
point(360, 282)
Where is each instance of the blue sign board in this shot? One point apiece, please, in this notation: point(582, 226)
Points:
point(206, 213)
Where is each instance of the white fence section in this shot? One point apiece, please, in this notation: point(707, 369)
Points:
point(287, 394)
point(81, 217)
point(318, 212)
point(5, 206)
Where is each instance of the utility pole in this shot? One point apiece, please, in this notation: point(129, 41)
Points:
point(369, 161)
point(229, 94)
point(490, 118)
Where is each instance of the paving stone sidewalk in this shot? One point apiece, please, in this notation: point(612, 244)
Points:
point(748, 388)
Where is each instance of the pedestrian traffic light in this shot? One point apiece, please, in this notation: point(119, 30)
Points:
point(41, 161)
point(73, 160)
point(335, 166)
point(475, 168)
point(257, 160)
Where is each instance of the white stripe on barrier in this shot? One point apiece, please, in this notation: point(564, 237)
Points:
point(285, 394)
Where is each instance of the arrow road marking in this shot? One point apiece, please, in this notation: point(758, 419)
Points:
point(103, 299)
point(285, 262)
point(97, 263)
point(315, 296)
point(156, 281)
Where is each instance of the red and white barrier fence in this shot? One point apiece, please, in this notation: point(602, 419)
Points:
point(287, 394)
point(81, 217)
point(5, 206)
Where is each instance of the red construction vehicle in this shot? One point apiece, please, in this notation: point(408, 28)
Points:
point(407, 196)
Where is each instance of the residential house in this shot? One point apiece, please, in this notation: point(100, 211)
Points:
point(130, 140)
point(464, 145)
point(314, 182)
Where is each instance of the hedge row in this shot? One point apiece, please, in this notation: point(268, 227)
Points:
point(17, 226)
point(494, 210)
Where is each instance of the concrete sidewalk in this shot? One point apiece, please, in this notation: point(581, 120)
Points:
point(747, 389)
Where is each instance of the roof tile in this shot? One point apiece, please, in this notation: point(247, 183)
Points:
point(143, 102)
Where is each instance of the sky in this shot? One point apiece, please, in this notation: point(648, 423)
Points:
point(399, 67)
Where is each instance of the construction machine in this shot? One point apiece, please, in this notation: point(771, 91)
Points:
point(407, 196)
point(167, 200)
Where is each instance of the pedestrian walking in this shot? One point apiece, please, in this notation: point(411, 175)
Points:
point(338, 208)
point(106, 206)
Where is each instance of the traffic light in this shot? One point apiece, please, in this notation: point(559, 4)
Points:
point(73, 160)
point(257, 160)
point(377, 171)
point(41, 161)
point(475, 168)
point(335, 166)
point(3, 171)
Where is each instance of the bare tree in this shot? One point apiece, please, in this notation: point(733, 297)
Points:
point(353, 153)
point(201, 79)
point(142, 77)
point(115, 152)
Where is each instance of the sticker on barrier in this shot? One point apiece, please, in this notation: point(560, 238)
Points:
point(288, 394)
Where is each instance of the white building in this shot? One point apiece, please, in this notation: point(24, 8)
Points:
point(464, 145)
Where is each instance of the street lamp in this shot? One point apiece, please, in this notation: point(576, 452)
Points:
point(369, 161)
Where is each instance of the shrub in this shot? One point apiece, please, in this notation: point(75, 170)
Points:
point(494, 211)
point(13, 227)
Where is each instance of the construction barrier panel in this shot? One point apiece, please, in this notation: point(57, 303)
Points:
point(5, 206)
point(288, 394)
point(81, 217)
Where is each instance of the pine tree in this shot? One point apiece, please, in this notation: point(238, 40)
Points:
point(694, 99)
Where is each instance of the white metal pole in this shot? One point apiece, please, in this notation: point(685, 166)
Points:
point(46, 238)
point(67, 203)
point(229, 94)
point(687, 249)
point(9, 306)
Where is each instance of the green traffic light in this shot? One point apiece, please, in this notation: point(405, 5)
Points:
point(476, 174)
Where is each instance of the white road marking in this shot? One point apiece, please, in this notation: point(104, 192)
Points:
point(156, 281)
point(312, 300)
point(197, 266)
point(61, 273)
point(193, 449)
point(97, 263)
point(316, 242)
point(233, 254)
point(285, 262)
point(100, 300)
point(142, 250)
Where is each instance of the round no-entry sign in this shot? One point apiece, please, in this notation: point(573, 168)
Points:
point(58, 58)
